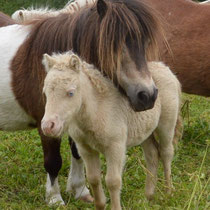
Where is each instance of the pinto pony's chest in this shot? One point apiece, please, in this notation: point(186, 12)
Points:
point(12, 115)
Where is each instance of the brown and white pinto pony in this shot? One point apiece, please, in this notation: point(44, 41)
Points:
point(187, 31)
point(114, 36)
point(188, 34)
point(82, 103)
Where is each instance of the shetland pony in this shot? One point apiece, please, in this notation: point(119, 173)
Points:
point(80, 101)
point(115, 36)
point(25, 15)
point(188, 34)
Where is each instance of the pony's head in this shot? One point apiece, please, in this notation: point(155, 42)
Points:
point(62, 91)
point(116, 36)
point(121, 34)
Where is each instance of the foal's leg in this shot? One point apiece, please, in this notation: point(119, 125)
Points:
point(76, 178)
point(115, 157)
point(52, 164)
point(93, 172)
point(151, 156)
point(165, 133)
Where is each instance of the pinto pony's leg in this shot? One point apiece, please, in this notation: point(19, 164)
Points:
point(150, 148)
point(52, 164)
point(93, 172)
point(76, 178)
point(115, 157)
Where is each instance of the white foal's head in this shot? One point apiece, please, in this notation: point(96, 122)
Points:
point(62, 91)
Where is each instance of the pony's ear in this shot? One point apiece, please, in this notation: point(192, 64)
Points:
point(48, 62)
point(75, 62)
point(101, 8)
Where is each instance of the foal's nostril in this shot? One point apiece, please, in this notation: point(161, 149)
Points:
point(143, 96)
point(52, 125)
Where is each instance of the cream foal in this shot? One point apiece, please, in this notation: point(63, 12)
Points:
point(83, 102)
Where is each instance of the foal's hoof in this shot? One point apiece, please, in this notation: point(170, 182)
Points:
point(150, 196)
point(87, 198)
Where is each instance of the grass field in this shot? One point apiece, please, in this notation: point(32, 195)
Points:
point(22, 176)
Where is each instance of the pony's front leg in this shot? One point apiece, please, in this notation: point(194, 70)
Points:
point(115, 157)
point(93, 172)
point(150, 148)
point(52, 164)
point(76, 178)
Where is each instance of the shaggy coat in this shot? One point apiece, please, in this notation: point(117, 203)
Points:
point(87, 105)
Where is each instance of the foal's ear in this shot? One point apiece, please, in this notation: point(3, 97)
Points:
point(75, 63)
point(48, 62)
point(101, 8)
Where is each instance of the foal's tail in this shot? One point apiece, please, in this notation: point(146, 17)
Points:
point(178, 129)
point(179, 123)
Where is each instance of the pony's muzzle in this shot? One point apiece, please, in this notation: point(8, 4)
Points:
point(144, 99)
point(52, 127)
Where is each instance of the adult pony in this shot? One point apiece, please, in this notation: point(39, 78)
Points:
point(114, 36)
point(188, 34)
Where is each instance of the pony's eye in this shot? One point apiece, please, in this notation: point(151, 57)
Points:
point(71, 93)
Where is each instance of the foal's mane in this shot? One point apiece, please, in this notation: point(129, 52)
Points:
point(97, 79)
point(97, 41)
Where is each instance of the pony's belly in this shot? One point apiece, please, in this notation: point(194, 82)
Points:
point(12, 116)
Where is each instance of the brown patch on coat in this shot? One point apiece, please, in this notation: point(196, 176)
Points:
point(188, 34)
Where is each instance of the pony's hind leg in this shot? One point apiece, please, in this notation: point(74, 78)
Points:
point(150, 148)
point(165, 134)
point(76, 178)
point(52, 164)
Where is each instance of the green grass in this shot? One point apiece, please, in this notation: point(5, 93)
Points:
point(22, 176)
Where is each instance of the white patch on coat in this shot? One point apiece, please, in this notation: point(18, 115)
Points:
point(12, 116)
point(76, 179)
point(53, 195)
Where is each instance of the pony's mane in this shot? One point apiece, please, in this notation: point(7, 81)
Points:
point(96, 41)
point(39, 9)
